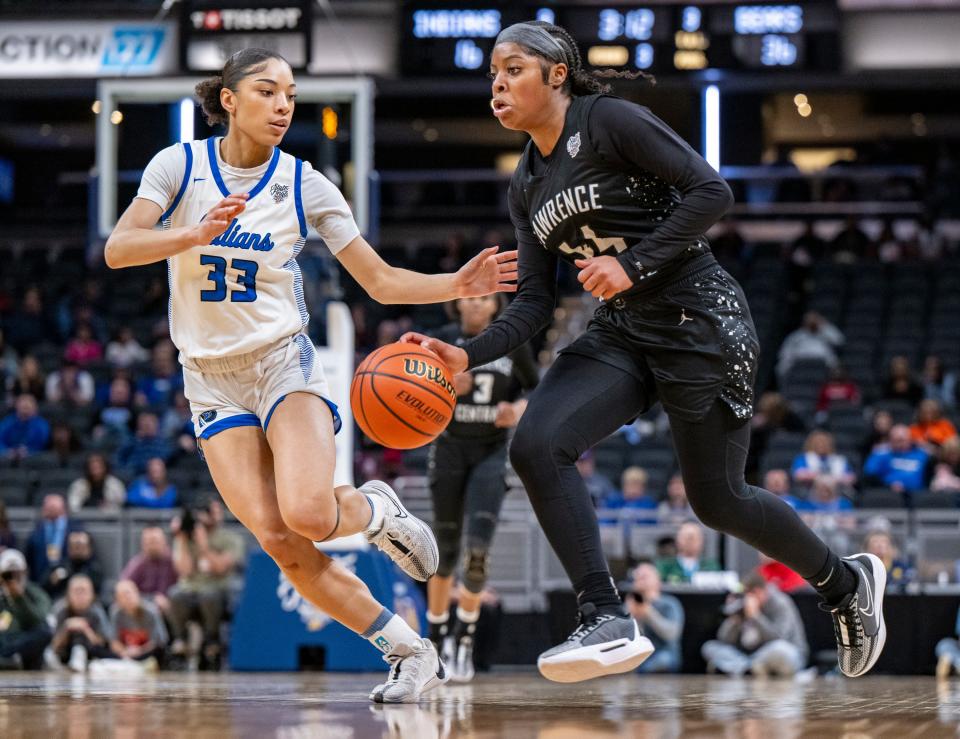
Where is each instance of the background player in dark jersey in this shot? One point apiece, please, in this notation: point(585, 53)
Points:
point(467, 467)
point(607, 186)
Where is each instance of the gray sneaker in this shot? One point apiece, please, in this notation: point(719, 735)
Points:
point(404, 538)
point(600, 645)
point(414, 669)
point(858, 619)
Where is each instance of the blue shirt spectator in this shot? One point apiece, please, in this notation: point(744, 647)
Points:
point(900, 466)
point(147, 444)
point(47, 545)
point(23, 432)
point(152, 490)
point(598, 485)
point(632, 497)
point(659, 616)
point(165, 379)
point(820, 458)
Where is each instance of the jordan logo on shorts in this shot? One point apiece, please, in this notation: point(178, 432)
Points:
point(684, 317)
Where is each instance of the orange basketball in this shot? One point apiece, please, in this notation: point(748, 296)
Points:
point(402, 396)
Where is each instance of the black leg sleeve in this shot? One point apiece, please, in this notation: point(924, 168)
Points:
point(579, 402)
point(712, 456)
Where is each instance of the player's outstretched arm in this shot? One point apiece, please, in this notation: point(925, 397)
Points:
point(134, 241)
point(491, 271)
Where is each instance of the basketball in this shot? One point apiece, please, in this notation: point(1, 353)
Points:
point(402, 396)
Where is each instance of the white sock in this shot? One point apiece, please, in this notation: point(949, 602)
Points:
point(441, 619)
point(377, 511)
point(467, 617)
point(389, 631)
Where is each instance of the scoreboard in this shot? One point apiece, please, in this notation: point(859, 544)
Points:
point(451, 38)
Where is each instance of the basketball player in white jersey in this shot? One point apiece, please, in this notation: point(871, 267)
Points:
point(235, 212)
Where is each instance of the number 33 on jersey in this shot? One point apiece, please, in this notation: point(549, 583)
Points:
point(243, 289)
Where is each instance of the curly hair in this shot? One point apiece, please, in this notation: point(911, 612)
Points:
point(580, 81)
point(240, 65)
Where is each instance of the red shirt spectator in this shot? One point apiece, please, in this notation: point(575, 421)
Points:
point(838, 389)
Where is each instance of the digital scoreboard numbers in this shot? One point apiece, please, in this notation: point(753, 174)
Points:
point(661, 39)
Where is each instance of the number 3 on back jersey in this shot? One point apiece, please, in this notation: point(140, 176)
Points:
point(246, 279)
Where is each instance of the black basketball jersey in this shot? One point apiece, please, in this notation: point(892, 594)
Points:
point(501, 380)
point(619, 182)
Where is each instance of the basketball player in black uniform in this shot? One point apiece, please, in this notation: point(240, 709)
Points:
point(467, 467)
point(606, 186)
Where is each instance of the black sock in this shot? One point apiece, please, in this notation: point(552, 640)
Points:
point(438, 630)
point(599, 590)
point(835, 580)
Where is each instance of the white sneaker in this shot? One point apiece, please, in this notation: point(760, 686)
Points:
point(461, 666)
point(78, 659)
point(404, 538)
point(415, 668)
point(52, 661)
point(600, 645)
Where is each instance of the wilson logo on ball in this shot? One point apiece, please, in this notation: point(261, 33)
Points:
point(419, 368)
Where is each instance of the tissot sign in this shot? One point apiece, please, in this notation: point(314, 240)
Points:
point(211, 31)
point(31, 49)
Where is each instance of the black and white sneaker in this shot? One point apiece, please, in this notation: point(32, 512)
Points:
point(603, 644)
point(414, 669)
point(404, 538)
point(858, 618)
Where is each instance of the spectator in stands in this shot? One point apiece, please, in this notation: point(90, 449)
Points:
point(838, 388)
point(97, 488)
point(29, 379)
point(820, 459)
point(165, 377)
point(64, 443)
point(632, 496)
point(23, 431)
point(825, 497)
point(132, 457)
point(777, 481)
point(851, 243)
point(816, 338)
point(900, 384)
point(902, 466)
point(899, 571)
point(879, 434)
point(207, 558)
point(70, 385)
point(24, 608)
point(676, 508)
point(660, 617)
point(948, 654)
point(115, 420)
point(138, 628)
point(83, 348)
point(931, 429)
point(83, 630)
point(177, 424)
point(9, 365)
point(889, 248)
point(8, 540)
point(152, 490)
point(946, 474)
point(780, 576)
point(152, 570)
point(938, 383)
point(125, 350)
point(762, 634)
point(807, 248)
point(28, 325)
point(689, 560)
point(81, 560)
point(773, 414)
point(598, 485)
point(47, 546)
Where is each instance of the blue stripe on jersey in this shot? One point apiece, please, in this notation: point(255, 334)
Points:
point(307, 354)
point(298, 198)
point(215, 169)
point(291, 266)
point(241, 419)
point(183, 185)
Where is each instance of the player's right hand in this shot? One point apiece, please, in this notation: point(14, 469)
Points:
point(218, 218)
point(453, 356)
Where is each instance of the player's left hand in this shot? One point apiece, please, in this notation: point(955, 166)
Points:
point(491, 271)
point(603, 277)
point(506, 417)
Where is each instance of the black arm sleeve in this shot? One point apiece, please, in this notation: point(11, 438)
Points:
point(632, 137)
point(536, 298)
point(525, 372)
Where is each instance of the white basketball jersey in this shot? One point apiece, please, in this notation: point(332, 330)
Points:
point(244, 290)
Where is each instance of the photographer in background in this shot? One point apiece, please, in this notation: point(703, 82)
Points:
point(23, 615)
point(762, 634)
point(207, 558)
point(660, 617)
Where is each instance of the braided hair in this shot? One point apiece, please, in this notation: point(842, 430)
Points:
point(580, 81)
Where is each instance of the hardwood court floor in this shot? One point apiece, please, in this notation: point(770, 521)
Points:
point(294, 705)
